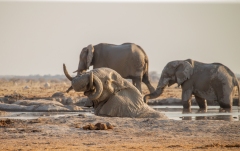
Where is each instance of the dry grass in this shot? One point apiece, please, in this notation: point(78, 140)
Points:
point(35, 89)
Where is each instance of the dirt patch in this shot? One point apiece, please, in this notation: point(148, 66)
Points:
point(5, 122)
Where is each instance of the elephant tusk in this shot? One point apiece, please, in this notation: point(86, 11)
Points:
point(66, 73)
point(98, 88)
point(69, 89)
point(75, 71)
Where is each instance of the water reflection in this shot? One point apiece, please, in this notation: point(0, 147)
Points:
point(35, 115)
point(172, 112)
point(187, 111)
point(212, 113)
point(207, 117)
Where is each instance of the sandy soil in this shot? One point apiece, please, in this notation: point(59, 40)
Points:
point(67, 133)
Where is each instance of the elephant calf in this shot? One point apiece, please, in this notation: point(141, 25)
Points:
point(111, 95)
point(213, 82)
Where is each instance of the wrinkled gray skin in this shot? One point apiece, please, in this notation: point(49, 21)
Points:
point(213, 82)
point(111, 95)
point(128, 59)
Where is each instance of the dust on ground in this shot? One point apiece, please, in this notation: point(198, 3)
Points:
point(67, 133)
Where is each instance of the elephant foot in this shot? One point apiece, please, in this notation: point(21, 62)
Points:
point(186, 104)
point(202, 103)
point(224, 105)
point(203, 106)
point(184, 111)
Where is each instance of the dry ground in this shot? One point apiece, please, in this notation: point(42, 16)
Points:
point(37, 89)
point(66, 133)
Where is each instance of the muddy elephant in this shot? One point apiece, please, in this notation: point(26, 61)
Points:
point(128, 59)
point(213, 82)
point(111, 95)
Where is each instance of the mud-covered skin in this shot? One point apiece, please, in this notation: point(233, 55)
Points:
point(111, 95)
point(213, 82)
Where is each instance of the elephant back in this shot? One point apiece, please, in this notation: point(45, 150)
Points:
point(131, 57)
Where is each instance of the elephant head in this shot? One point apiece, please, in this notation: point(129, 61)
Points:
point(173, 72)
point(87, 82)
point(85, 59)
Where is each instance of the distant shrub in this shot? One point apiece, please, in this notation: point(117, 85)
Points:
point(154, 76)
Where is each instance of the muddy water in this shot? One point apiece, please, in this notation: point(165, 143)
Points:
point(172, 112)
point(212, 113)
point(35, 115)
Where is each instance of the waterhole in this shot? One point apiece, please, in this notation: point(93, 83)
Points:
point(172, 112)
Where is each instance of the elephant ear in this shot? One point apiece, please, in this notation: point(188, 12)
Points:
point(90, 49)
point(183, 72)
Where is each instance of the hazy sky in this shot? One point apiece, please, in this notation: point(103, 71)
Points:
point(38, 37)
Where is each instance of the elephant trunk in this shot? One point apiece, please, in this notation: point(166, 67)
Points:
point(95, 82)
point(163, 82)
point(153, 95)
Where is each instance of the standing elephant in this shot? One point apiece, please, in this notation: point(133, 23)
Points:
point(214, 82)
point(112, 95)
point(128, 59)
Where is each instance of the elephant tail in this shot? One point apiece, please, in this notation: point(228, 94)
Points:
point(238, 92)
point(238, 96)
point(145, 78)
point(236, 83)
point(145, 59)
point(145, 74)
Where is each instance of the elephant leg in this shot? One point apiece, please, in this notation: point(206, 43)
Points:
point(202, 103)
point(137, 81)
point(146, 80)
point(226, 102)
point(186, 98)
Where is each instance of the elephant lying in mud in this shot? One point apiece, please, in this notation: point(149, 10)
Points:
point(128, 59)
point(111, 94)
point(213, 82)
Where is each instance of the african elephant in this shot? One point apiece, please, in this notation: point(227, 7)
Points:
point(128, 59)
point(213, 82)
point(112, 95)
